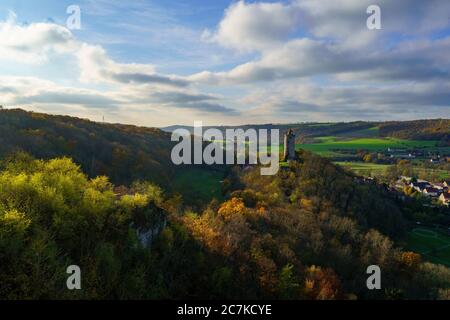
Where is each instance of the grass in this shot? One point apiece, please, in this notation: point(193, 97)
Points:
point(433, 245)
point(201, 184)
point(440, 174)
point(374, 169)
point(330, 146)
point(364, 169)
point(340, 147)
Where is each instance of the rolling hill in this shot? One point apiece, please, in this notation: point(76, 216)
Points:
point(435, 129)
point(122, 152)
point(308, 232)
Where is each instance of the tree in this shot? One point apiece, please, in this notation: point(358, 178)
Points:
point(52, 215)
point(410, 260)
point(322, 284)
point(288, 286)
point(231, 208)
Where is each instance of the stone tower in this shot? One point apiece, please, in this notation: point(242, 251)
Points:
point(289, 145)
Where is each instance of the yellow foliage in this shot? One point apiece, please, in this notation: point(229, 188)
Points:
point(134, 201)
point(102, 184)
point(309, 285)
point(201, 230)
point(306, 204)
point(14, 221)
point(232, 207)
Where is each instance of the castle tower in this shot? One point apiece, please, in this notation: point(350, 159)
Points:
point(289, 145)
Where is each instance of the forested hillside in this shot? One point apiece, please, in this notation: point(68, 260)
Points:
point(123, 153)
point(301, 130)
point(438, 129)
point(308, 233)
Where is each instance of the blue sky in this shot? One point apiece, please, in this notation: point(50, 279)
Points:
point(130, 31)
point(158, 63)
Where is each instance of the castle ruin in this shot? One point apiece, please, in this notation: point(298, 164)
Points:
point(289, 145)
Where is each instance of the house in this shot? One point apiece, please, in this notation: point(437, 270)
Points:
point(406, 179)
point(395, 150)
point(419, 186)
point(444, 198)
point(440, 186)
point(431, 192)
point(399, 184)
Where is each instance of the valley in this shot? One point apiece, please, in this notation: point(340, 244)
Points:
point(107, 197)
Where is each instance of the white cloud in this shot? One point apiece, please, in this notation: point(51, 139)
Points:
point(21, 91)
point(254, 26)
point(131, 85)
point(96, 66)
point(297, 58)
point(345, 20)
point(362, 73)
point(47, 95)
point(310, 102)
point(335, 41)
point(414, 60)
point(34, 42)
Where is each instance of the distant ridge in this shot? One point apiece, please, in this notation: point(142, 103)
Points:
point(428, 129)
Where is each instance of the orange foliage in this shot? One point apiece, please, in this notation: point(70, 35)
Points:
point(322, 284)
point(209, 235)
point(266, 269)
point(232, 207)
point(262, 211)
point(410, 259)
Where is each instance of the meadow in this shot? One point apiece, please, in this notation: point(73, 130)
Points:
point(344, 151)
point(330, 146)
point(376, 170)
point(363, 168)
point(198, 183)
point(432, 244)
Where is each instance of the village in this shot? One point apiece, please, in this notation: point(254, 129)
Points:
point(437, 192)
point(435, 157)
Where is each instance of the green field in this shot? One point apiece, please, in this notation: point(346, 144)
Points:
point(374, 169)
point(364, 169)
point(200, 184)
point(330, 146)
point(433, 245)
point(346, 147)
point(440, 174)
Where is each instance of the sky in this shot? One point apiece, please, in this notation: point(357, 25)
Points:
point(166, 62)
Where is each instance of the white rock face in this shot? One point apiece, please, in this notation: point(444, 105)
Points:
point(146, 236)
